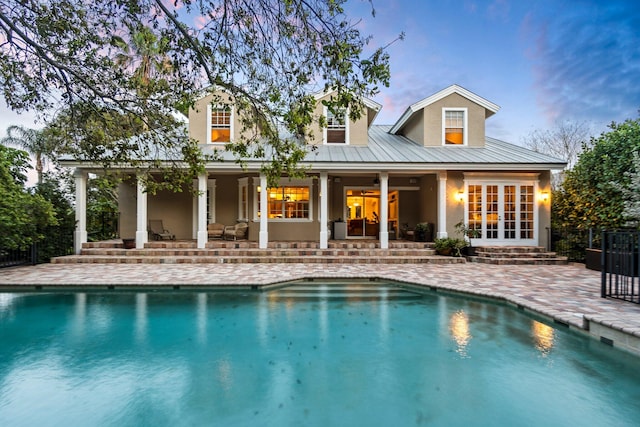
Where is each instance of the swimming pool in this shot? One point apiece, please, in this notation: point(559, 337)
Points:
point(310, 354)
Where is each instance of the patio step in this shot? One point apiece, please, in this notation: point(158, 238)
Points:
point(232, 252)
point(516, 255)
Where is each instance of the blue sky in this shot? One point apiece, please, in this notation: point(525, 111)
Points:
point(540, 61)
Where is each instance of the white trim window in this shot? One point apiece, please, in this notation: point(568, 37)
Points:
point(211, 201)
point(291, 202)
point(219, 124)
point(454, 126)
point(337, 130)
point(243, 199)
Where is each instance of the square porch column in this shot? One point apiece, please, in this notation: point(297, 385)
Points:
point(384, 210)
point(442, 205)
point(80, 233)
point(203, 237)
point(142, 235)
point(263, 241)
point(324, 244)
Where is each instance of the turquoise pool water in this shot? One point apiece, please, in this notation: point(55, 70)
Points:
point(308, 355)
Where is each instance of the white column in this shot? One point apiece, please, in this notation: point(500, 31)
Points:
point(442, 205)
point(264, 214)
point(324, 244)
point(384, 210)
point(202, 211)
point(142, 236)
point(80, 234)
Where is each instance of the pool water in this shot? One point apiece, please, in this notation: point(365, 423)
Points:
point(358, 354)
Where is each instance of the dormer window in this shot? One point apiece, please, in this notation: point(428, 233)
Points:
point(336, 132)
point(220, 124)
point(455, 126)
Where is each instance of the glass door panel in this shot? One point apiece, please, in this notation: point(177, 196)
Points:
point(505, 213)
point(526, 212)
point(509, 211)
point(492, 212)
point(363, 207)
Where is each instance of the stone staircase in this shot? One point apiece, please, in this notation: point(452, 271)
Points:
point(516, 255)
point(236, 252)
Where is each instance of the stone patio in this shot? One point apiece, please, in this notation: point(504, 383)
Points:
point(567, 294)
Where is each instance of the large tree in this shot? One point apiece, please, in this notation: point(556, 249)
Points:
point(31, 141)
point(565, 140)
point(269, 55)
point(23, 215)
point(593, 192)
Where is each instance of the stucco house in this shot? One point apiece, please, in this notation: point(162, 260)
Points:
point(365, 181)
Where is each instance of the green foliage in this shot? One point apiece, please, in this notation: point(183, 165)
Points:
point(468, 232)
point(23, 215)
point(147, 58)
point(591, 195)
point(450, 246)
point(57, 237)
point(102, 207)
point(631, 194)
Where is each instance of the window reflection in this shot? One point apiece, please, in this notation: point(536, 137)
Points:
point(459, 328)
point(543, 337)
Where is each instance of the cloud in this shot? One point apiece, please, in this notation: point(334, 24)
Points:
point(587, 63)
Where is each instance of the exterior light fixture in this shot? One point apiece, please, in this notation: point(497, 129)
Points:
point(544, 196)
point(460, 196)
point(258, 189)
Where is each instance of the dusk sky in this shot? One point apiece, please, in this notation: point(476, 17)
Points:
point(538, 60)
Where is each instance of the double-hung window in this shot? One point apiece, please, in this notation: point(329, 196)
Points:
point(336, 132)
point(220, 124)
point(455, 126)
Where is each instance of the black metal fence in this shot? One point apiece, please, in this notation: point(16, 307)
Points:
point(572, 242)
point(620, 259)
point(57, 244)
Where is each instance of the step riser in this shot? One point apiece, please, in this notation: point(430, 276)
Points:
point(257, 253)
point(254, 260)
point(520, 261)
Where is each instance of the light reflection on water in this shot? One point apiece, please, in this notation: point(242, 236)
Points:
point(543, 336)
point(367, 355)
point(459, 327)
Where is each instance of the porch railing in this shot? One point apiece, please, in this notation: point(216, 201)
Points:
point(620, 261)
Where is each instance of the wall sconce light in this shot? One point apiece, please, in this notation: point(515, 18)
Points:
point(460, 196)
point(376, 181)
point(544, 196)
point(258, 189)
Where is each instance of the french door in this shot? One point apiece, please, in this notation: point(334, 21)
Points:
point(505, 213)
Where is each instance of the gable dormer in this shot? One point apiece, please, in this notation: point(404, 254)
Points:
point(340, 129)
point(452, 117)
point(214, 120)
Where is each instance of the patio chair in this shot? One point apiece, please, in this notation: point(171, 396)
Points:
point(215, 230)
point(158, 232)
point(235, 232)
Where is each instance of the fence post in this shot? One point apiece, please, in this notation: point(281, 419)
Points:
point(603, 266)
point(34, 254)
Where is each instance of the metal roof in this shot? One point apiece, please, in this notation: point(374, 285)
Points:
point(386, 151)
point(387, 148)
